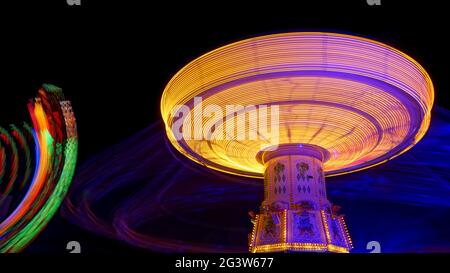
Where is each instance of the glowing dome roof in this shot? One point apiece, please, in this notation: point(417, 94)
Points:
point(362, 101)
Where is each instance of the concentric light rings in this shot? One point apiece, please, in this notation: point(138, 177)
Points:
point(373, 80)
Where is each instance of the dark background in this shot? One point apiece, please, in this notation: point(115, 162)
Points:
point(113, 58)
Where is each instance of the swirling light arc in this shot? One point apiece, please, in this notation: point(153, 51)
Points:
point(56, 144)
point(362, 100)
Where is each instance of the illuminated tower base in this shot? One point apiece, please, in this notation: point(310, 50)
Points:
point(296, 214)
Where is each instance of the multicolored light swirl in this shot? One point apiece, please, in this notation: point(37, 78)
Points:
point(30, 201)
point(361, 100)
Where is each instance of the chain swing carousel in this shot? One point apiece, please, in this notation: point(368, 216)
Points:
point(345, 103)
